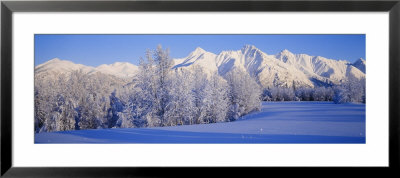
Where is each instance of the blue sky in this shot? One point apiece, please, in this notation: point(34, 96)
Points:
point(94, 50)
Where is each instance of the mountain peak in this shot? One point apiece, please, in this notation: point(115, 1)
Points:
point(119, 69)
point(58, 61)
point(54, 60)
point(61, 66)
point(285, 51)
point(199, 50)
point(120, 63)
point(361, 59)
point(286, 56)
point(248, 47)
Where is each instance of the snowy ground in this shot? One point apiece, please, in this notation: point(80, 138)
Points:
point(277, 122)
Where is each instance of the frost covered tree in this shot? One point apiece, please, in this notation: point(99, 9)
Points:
point(181, 107)
point(352, 90)
point(288, 94)
point(66, 119)
point(42, 108)
point(72, 101)
point(276, 94)
point(177, 97)
point(196, 97)
point(244, 93)
point(163, 68)
point(136, 108)
point(305, 94)
point(202, 95)
point(89, 113)
point(281, 94)
point(53, 107)
point(298, 94)
point(124, 108)
point(322, 94)
point(219, 98)
point(146, 84)
point(154, 85)
point(116, 106)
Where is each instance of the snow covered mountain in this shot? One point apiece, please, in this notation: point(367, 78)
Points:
point(198, 57)
point(62, 66)
point(360, 64)
point(118, 69)
point(283, 69)
point(320, 68)
point(265, 68)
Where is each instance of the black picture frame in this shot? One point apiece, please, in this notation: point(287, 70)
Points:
point(8, 7)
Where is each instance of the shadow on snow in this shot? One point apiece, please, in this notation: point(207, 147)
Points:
point(139, 135)
point(277, 122)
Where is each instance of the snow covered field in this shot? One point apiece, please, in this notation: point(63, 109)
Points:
point(277, 122)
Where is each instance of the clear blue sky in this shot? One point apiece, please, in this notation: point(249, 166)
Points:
point(94, 50)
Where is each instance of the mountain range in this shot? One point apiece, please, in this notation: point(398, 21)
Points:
point(283, 69)
point(118, 69)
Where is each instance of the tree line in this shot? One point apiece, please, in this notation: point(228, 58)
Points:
point(351, 90)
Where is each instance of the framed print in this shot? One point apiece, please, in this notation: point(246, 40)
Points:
point(137, 88)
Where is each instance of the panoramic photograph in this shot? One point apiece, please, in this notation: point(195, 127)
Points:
point(200, 89)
